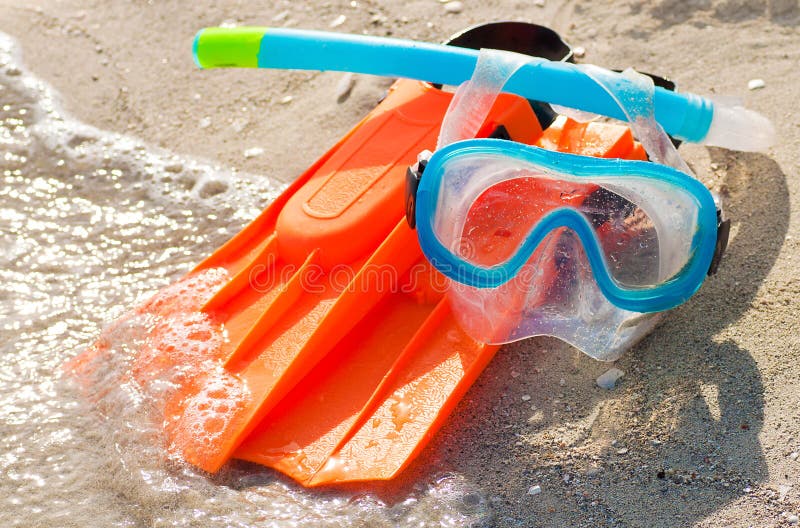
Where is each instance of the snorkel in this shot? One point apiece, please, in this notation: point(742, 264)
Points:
point(684, 116)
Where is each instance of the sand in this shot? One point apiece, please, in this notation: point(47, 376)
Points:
point(704, 428)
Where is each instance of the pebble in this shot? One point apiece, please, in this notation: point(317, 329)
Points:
point(204, 122)
point(253, 152)
point(239, 124)
point(794, 455)
point(562, 382)
point(579, 52)
point(623, 451)
point(756, 84)
point(538, 3)
point(534, 490)
point(608, 380)
point(783, 491)
point(792, 519)
point(454, 7)
point(344, 87)
point(526, 397)
point(286, 100)
point(338, 21)
point(174, 167)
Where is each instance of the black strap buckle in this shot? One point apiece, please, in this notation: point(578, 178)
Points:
point(723, 234)
point(413, 176)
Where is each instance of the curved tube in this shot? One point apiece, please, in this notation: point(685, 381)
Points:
point(685, 116)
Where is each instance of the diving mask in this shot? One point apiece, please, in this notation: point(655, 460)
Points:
point(537, 242)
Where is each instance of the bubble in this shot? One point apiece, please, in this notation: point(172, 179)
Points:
point(186, 295)
point(199, 428)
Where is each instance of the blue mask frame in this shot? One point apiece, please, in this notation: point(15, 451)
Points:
point(664, 296)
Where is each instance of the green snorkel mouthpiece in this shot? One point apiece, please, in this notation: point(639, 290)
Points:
point(228, 47)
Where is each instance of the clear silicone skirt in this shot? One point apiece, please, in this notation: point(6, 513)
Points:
point(546, 243)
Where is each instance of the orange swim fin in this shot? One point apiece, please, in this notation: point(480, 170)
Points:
point(329, 369)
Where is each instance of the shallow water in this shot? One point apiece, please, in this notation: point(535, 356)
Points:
point(92, 223)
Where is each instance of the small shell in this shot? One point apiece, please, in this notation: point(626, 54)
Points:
point(454, 7)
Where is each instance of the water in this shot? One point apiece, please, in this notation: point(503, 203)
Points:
point(92, 223)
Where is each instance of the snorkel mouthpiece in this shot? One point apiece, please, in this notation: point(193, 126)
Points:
point(737, 128)
point(228, 47)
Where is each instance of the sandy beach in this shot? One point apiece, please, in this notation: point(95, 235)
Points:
point(704, 427)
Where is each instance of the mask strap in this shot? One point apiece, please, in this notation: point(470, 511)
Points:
point(474, 98)
point(635, 98)
point(633, 93)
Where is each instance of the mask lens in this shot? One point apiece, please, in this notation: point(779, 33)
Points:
point(490, 206)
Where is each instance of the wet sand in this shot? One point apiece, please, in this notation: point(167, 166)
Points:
point(704, 428)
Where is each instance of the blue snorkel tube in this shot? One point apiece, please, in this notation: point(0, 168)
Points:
point(685, 116)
